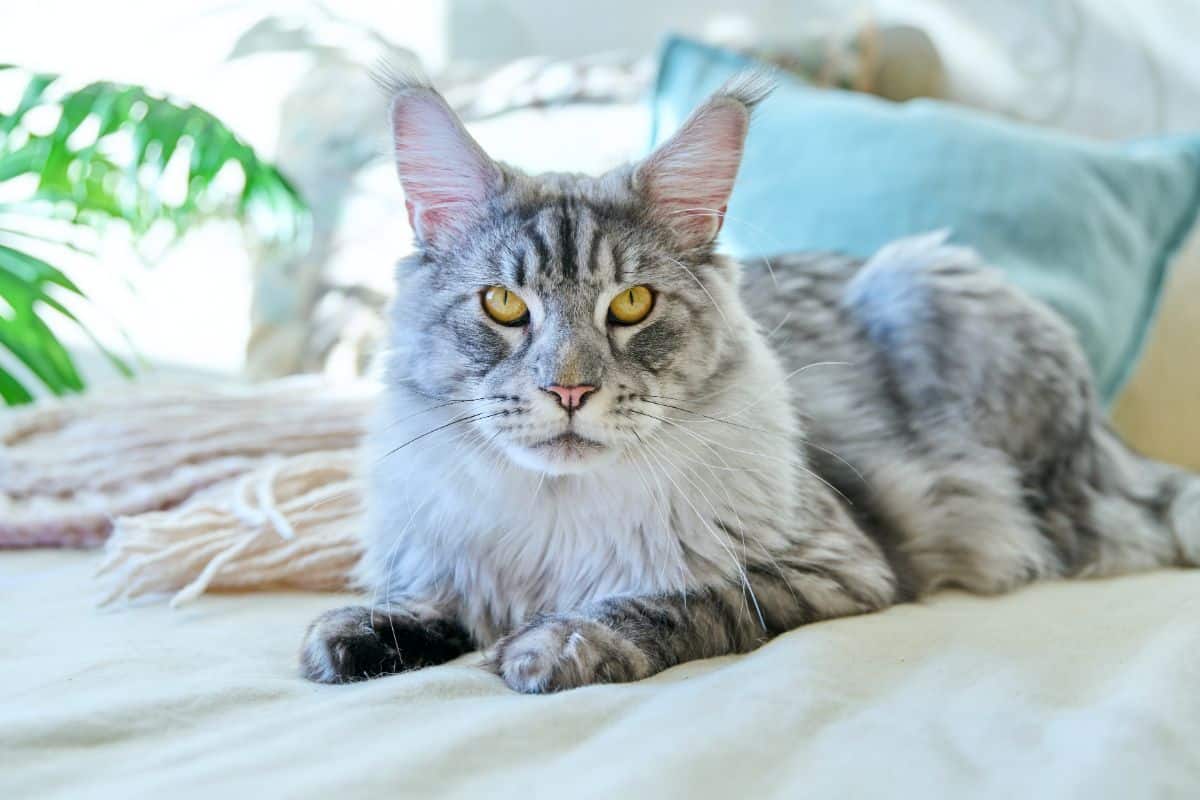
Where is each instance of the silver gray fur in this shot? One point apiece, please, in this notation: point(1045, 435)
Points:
point(772, 448)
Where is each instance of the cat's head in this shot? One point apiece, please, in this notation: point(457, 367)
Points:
point(565, 316)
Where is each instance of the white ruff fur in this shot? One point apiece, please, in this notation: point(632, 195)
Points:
point(451, 515)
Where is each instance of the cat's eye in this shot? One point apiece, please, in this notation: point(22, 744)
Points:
point(631, 306)
point(504, 306)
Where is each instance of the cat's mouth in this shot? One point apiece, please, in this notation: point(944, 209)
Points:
point(565, 453)
point(569, 442)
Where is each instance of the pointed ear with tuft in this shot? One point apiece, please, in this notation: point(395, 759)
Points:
point(447, 178)
point(688, 179)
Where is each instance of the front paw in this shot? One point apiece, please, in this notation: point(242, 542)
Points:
point(356, 643)
point(344, 645)
point(554, 653)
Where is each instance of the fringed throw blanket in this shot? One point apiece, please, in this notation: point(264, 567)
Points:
point(190, 487)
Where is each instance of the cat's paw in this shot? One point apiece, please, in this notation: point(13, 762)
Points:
point(356, 643)
point(344, 645)
point(551, 654)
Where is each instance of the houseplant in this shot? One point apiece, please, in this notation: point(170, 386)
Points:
point(99, 155)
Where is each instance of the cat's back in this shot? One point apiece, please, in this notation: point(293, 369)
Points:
point(902, 347)
point(793, 295)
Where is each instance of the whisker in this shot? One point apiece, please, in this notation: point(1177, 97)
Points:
point(795, 462)
point(827, 451)
point(536, 491)
point(679, 560)
point(476, 417)
point(643, 398)
point(724, 215)
point(703, 288)
point(724, 486)
point(779, 325)
point(770, 557)
point(494, 398)
point(679, 424)
point(757, 540)
point(807, 442)
point(457, 465)
point(741, 571)
point(764, 395)
point(655, 502)
point(783, 381)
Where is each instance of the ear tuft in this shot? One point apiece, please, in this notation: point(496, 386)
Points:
point(748, 88)
point(447, 177)
point(689, 178)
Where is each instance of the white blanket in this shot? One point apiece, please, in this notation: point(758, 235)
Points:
point(1080, 689)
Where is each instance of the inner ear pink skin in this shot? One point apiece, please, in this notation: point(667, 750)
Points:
point(447, 177)
point(688, 179)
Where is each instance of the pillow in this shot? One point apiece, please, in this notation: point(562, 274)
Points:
point(1157, 411)
point(1089, 227)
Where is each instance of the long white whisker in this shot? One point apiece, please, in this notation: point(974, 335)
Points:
point(764, 394)
point(810, 443)
point(779, 325)
point(655, 502)
point(716, 536)
point(457, 464)
point(704, 289)
point(724, 215)
point(796, 462)
point(666, 522)
point(444, 405)
point(732, 506)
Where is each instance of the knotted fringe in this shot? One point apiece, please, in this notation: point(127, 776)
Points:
point(201, 487)
point(291, 523)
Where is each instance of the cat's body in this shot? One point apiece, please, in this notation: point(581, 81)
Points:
point(597, 501)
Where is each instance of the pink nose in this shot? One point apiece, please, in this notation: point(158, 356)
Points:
point(570, 397)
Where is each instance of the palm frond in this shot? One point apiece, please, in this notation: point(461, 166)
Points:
point(115, 153)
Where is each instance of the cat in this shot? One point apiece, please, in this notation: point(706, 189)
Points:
point(604, 449)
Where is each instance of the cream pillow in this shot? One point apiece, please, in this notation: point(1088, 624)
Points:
point(1159, 410)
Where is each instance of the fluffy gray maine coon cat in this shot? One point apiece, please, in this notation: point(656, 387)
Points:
point(604, 449)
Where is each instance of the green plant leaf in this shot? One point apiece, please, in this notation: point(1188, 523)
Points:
point(94, 178)
point(27, 337)
point(24, 281)
point(37, 237)
point(38, 83)
point(11, 390)
point(34, 270)
point(117, 174)
point(25, 160)
point(37, 275)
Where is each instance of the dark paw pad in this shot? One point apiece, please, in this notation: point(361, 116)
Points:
point(356, 643)
point(346, 645)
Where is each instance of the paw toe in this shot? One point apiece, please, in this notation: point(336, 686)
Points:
point(559, 654)
point(343, 646)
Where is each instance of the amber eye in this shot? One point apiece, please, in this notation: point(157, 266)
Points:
point(631, 306)
point(504, 306)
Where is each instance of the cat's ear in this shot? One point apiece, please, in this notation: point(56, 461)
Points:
point(447, 178)
point(688, 179)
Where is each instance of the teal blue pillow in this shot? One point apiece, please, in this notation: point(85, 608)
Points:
point(1089, 227)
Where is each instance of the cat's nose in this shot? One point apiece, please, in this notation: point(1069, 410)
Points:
point(570, 397)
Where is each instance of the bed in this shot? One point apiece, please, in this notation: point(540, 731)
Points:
point(1084, 689)
point(1067, 689)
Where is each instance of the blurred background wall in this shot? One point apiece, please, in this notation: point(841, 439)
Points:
point(292, 80)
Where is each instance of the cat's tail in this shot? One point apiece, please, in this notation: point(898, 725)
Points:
point(1178, 503)
point(1143, 513)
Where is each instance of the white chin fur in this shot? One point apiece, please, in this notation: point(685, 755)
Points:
point(560, 459)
